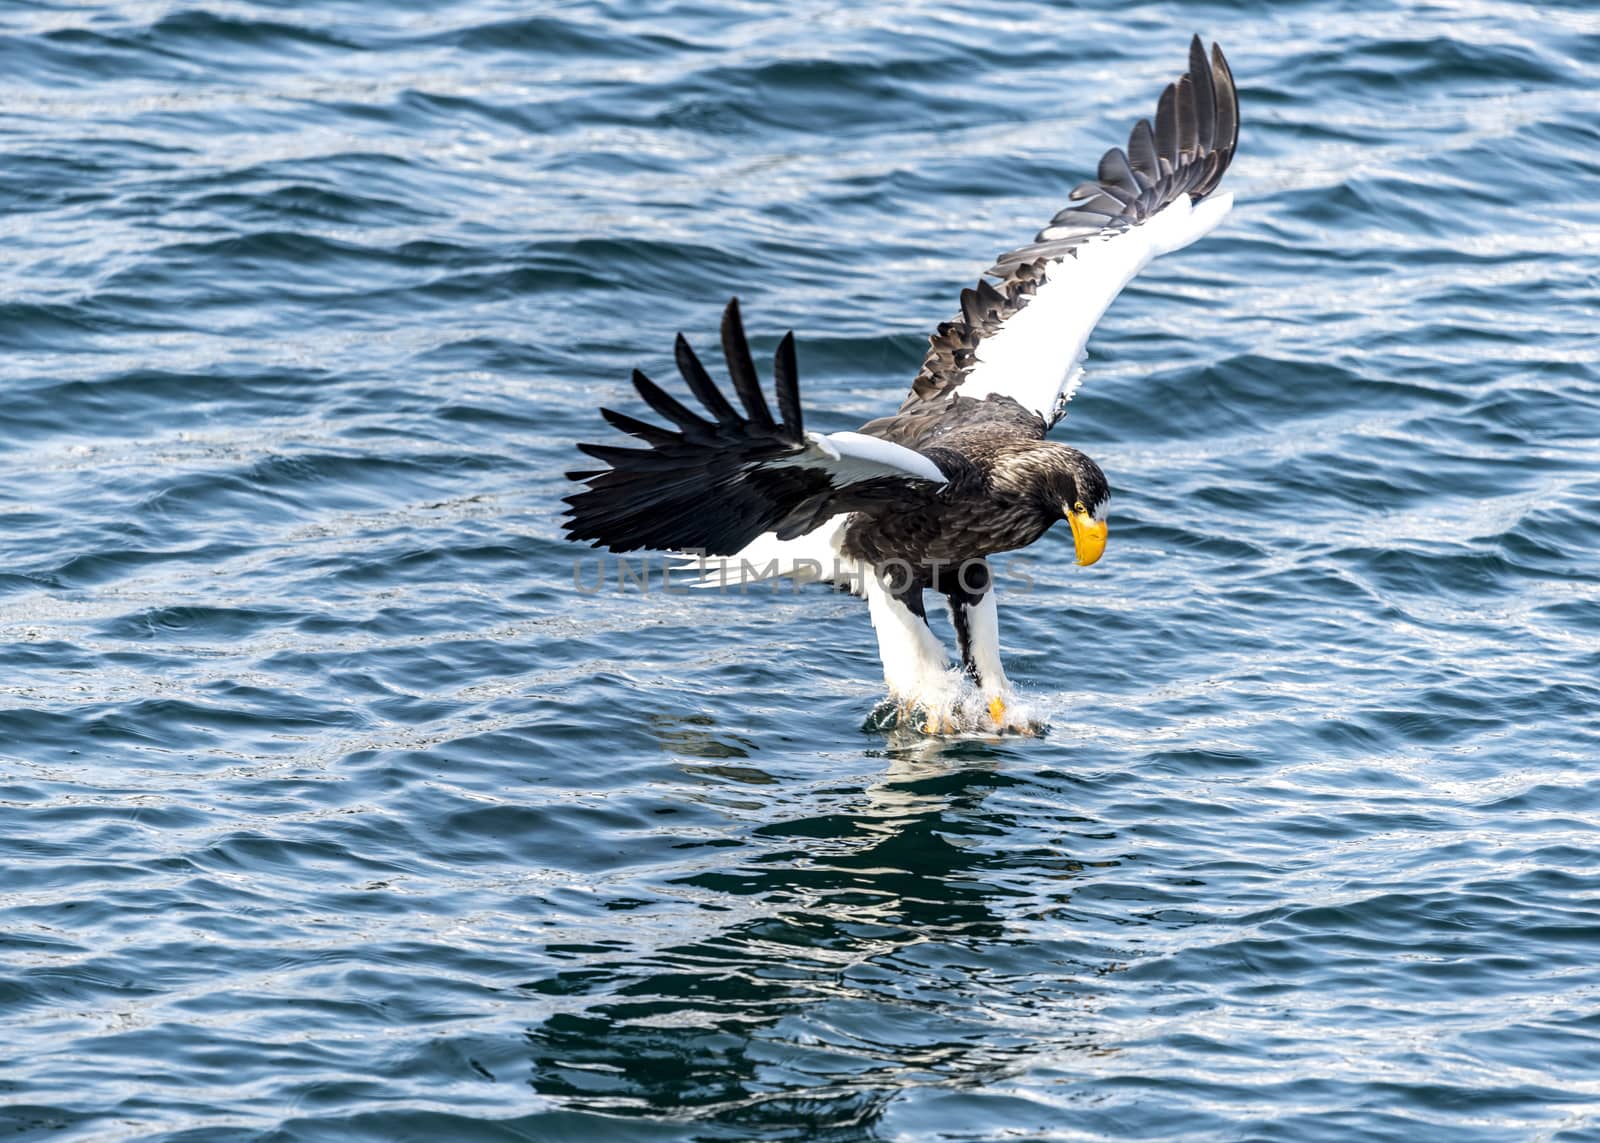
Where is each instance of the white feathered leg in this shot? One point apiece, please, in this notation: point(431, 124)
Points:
point(914, 661)
point(976, 619)
point(982, 652)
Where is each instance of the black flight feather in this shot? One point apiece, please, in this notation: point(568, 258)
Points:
point(1167, 128)
point(699, 381)
point(1205, 96)
point(786, 382)
point(741, 369)
point(1142, 152)
point(1116, 174)
point(644, 430)
point(1188, 137)
point(1227, 102)
point(668, 405)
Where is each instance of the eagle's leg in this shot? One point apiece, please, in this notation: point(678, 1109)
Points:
point(969, 589)
point(914, 661)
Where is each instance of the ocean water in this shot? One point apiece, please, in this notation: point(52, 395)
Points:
point(336, 803)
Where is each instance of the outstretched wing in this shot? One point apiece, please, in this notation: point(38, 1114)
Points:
point(1025, 337)
point(714, 483)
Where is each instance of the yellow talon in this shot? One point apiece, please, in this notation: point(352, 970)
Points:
point(997, 710)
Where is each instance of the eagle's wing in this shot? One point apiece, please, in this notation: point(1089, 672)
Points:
point(713, 484)
point(1025, 338)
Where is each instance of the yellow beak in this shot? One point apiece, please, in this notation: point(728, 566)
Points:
point(1088, 536)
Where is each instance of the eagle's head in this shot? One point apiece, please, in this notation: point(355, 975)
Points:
point(1074, 487)
point(1052, 482)
point(1087, 512)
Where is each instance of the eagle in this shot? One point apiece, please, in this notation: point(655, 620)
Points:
point(919, 500)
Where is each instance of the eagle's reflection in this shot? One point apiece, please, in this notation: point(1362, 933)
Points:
point(866, 956)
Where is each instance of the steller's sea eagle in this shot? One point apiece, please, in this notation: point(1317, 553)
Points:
point(919, 499)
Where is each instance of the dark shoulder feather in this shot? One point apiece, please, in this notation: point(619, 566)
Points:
point(952, 423)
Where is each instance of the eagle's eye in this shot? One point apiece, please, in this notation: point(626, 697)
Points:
point(1079, 508)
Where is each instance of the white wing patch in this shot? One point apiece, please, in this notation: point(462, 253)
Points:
point(1036, 356)
point(850, 458)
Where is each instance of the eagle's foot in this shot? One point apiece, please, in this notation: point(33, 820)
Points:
point(1010, 716)
point(928, 718)
point(920, 715)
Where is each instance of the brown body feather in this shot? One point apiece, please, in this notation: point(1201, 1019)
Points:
point(1007, 486)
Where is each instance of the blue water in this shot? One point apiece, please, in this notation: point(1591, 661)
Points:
point(332, 807)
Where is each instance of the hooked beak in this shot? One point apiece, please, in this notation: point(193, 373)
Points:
point(1088, 536)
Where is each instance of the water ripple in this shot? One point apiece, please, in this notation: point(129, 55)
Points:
point(341, 805)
